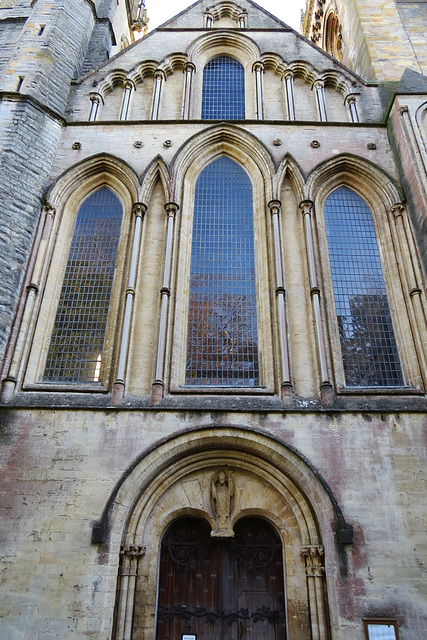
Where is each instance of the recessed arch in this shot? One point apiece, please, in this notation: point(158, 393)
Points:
point(157, 170)
point(270, 481)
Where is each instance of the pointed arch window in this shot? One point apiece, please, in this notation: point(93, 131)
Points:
point(222, 339)
point(223, 90)
point(77, 342)
point(368, 343)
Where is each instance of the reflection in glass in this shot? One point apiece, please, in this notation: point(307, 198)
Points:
point(222, 343)
point(77, 342)
point(381, 632)
point(368, 342)
point(223, 90)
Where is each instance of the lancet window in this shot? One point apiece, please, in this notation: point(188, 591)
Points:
point(223, 90)
point(368, 343)
point(222, 341)
point(77, 342)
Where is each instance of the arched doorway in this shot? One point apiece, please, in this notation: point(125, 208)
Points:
point(221, 588)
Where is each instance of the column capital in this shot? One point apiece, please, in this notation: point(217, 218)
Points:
point(404, 109)
point(159, 74)
point(139, 209)
point(288, 74)
point(314, 551)
point(318, 84)
point(94, 96)
point(398, 209)
point(274, 206)
point(258, 66)
point(189, 66)
point(306, 206)
point(49, 209)
point(171, 209)
point(351, 98)
point(133, 550)
point(128, 84)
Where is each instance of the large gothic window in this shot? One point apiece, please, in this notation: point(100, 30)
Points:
point(77, 342)
point(368, 343)
point(223, 90)
point(221, 588)
point(222, 340)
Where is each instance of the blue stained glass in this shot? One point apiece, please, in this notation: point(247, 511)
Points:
point(368, 343)
point(222, 342)
point(223, 90)
point(77, 340)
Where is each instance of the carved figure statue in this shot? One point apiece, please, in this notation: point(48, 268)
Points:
point(222, 497)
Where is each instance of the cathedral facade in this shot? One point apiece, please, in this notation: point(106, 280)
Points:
point(213, 332)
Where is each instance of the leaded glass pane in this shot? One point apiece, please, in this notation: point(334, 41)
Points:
point(368, 342)
point(77, 341)
point(223, 90)
point(222, 347)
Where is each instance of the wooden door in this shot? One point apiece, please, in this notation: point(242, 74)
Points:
point(221, 588)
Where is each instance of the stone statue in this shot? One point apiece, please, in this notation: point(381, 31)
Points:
point(222, 498)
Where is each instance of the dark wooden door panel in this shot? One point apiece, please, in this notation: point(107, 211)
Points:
point(221, 588)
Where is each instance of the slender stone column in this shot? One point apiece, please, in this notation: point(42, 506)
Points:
point(350, 100)
point(320, 96)
point(139, 210)
point(275, 206)
point(307, 207)
point(315, 572)
point(288, 84)
point(8, 386)
point(159, 77)
point(412, 277)
point(208, 20)
point(130, 555)
point(242, 20)
point(158, 385)
point(189, 69)
point(96, 100)
point(258, 67)
point(127, 93)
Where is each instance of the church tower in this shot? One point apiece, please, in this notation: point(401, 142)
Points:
point(377, 40)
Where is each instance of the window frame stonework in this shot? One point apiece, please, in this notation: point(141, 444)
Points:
point(57, 257)
point(264, 267)
point(381, 215)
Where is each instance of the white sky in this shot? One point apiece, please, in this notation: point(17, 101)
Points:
point(289, 11)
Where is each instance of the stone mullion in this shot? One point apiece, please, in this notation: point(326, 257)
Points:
point(96, 100)
point(411, 274)
point(188, 70)
point(288, 85)
point(275, 207)
point(32, 293)
point(320, 97)
point(307, 206)
point(127, 94)
point(158, 385)
point(139, 210)
point(258, 67)
point(315, 574)
point(159, 77)
point(128, 572)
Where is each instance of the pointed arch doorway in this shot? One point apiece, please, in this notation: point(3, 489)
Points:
point(221, 588)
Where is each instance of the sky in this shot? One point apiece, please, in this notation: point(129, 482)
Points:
point(289, 11)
